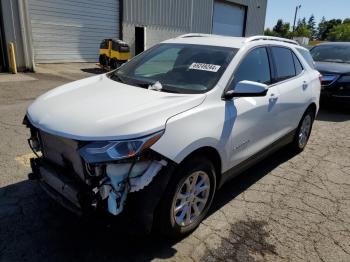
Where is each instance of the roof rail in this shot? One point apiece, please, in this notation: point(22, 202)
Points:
point(193, 35)
point(271, 38)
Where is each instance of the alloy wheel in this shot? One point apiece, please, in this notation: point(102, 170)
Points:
point(191, 198)
point(304, 131)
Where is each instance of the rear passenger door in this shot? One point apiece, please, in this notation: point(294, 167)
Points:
point(292, 83)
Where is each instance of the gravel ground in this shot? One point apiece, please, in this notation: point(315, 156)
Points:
point(287, 208)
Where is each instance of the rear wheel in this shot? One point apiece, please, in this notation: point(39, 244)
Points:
point(188, 197)
point(303, 132)
point(114, 63)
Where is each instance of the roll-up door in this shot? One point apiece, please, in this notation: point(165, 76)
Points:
point(71, 31)
point(228, 19)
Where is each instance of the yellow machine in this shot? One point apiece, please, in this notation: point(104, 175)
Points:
point(113, 53)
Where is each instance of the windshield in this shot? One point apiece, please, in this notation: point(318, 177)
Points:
point(178, 68)
point(331, 53)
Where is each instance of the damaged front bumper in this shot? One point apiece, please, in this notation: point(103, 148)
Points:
point(81, 198)
point(136, 183)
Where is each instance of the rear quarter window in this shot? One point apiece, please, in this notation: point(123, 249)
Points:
point(307, 56)
point(298, 67)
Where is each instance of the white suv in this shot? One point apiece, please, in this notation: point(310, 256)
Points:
point(153, 140)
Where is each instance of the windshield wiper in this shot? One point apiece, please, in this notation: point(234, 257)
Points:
point(115, 77)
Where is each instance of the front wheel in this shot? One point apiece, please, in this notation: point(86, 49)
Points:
point(103, 60)
point(188, 197)
point(303, 132)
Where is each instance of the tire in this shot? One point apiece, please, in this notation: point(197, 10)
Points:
point(179, 223)
point(303, 132)
point(114, 64)
point(103, 60)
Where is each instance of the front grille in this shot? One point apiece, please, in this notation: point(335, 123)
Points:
point(62, 152)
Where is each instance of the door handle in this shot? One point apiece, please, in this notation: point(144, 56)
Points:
point(273, 98)
point(305, 85)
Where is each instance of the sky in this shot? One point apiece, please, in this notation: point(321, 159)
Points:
point(285, 10)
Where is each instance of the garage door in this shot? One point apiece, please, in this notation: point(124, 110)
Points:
point(71, 31)
point(228, 19)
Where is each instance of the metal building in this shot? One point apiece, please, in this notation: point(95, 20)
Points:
point(56, 31)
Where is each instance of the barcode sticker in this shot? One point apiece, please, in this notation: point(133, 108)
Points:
point(204, 67)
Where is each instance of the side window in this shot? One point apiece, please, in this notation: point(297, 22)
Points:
point(298, 67)
point(254, 67)
point(284, 63)
point(307, 56)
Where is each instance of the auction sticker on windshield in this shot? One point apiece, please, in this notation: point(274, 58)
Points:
point(204, 67)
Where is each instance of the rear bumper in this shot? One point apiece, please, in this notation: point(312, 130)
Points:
point(329, 97)
point(338, 93)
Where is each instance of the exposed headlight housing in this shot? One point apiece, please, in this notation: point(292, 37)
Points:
point(105, 151)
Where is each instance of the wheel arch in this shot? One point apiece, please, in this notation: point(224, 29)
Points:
point(313, 108)
point(213, 155)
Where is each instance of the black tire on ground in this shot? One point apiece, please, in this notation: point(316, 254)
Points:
point(296, 145)
point(114, 63)
point(103, 60)
point(165, 221)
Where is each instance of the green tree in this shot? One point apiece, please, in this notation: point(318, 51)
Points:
point(311, 24)
point(346, 21)
point(270, 32)
point(303, 31)
point(325, 27)
point(339, 33)
point(321, 30)
point(281, 29)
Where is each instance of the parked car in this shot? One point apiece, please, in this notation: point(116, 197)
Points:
point(333, 62)
point(155, 139)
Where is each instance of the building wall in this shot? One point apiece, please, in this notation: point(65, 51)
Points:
point(12, 28)
point(255, 16)
point(166, 19)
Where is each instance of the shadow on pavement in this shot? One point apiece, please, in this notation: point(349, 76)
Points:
point(246, 237)
point(245, 180)
point(94, 70)
point(334, 114)
point(34, 228)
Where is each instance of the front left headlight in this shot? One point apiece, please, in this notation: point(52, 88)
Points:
point(104, 151)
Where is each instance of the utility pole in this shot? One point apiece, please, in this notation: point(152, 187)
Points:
point(295, 15)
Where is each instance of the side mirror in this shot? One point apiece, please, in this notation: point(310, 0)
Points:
point(246, 89)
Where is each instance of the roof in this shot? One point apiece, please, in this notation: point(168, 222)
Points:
point(214, 40)
point(228, 41)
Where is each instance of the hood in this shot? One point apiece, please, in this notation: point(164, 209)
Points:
point(336, 68)
point(98, 108)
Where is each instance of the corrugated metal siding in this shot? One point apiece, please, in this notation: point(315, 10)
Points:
point(189, 15)
point(170, 13)
point(71, 31)
point(202, 16)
